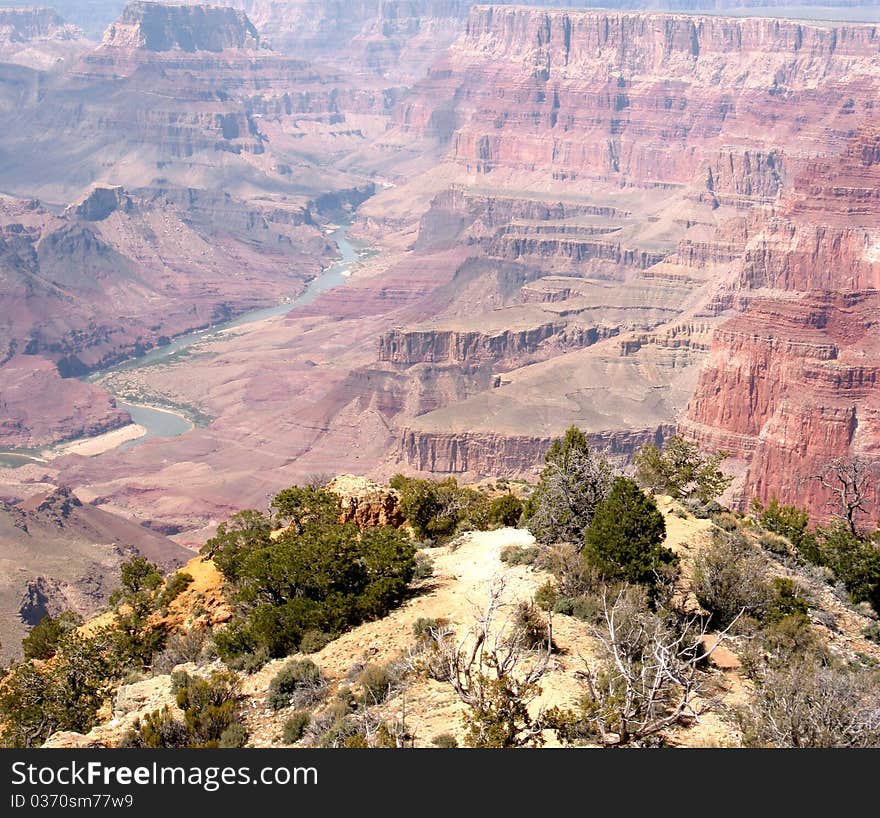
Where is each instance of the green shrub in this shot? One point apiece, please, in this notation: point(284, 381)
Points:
point(790, 522)
point(575, 479)
point(64, 695)
point(730, 577)
point(299, 682)
point(424, 568)
point(210, 706)
point(445, 740)
point(681, 470)
point(314, 640)
point(505, 510)
point(375, 683)
point(175, 586)
point(546, 596)
point(624, 540)
point(786, 602)
point(854, 560)
point(43, 639)
point(295, 726)
point(519, 554)
point(319, 575)
point(236, 735)
point(157, 730)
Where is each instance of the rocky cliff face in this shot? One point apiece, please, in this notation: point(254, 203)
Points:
point(38, 37)
point(25, 24)
point(157, 27)
point(773, 218)
point(793, 382)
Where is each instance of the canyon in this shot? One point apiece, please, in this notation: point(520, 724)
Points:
point(633, 222)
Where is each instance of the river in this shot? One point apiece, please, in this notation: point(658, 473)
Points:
point(164, 423)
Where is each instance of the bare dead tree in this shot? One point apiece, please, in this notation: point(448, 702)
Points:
point(851, 483)
point(648, 678)
point(496, 674)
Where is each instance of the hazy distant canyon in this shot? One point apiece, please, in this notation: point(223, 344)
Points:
point(634, 222)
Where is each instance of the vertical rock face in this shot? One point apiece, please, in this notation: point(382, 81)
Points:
point(794, 381)
point(157, 27)
point(25, 24)
point(37, 37)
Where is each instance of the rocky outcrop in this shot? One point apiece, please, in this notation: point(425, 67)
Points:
point(100, 203)
point(366, 503)
point(158, 27)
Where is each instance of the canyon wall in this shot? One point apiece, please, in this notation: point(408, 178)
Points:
point(794, 381)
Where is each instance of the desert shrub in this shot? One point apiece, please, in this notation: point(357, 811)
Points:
point(138, 577)
point(790, 522)
point(871, 632)
point(786, 601)
point(726, 521)
point(211, 716)
point(43, 639)
point(318, 575)
point(774, 543)
point(624, 540)
point(505, 510)
point(681, 470)
point(546, 596)
point(192, 645)
point(436, 509)
point(236, 735)
point(530, 627)
point(210, 706)
point(375, 683)
point(730, 577)
point(854, 560)
point(314, 640)
point(575, 479)
point(426, 655)
point(587, 607)
point(519, 554)
point(810, 703)
point(424, 568)
point(299, 682)
point(445, 740)
point(295, 726)
point(157, 730)
point(344, 732)
point(425, 626)
point(175, 586)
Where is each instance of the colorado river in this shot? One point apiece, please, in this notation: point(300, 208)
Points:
point(160, 422)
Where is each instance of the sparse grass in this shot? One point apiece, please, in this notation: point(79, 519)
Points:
point(520, 555)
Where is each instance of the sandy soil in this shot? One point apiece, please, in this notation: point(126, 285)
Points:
point(100, 443)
